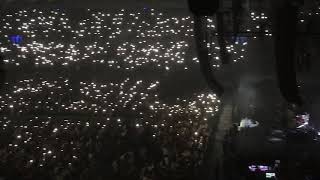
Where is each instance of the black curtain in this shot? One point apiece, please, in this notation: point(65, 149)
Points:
point(285, 40)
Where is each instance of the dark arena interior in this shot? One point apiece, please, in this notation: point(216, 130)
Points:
point(159, 90)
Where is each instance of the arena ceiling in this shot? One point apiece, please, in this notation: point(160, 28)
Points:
point(103, 4)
